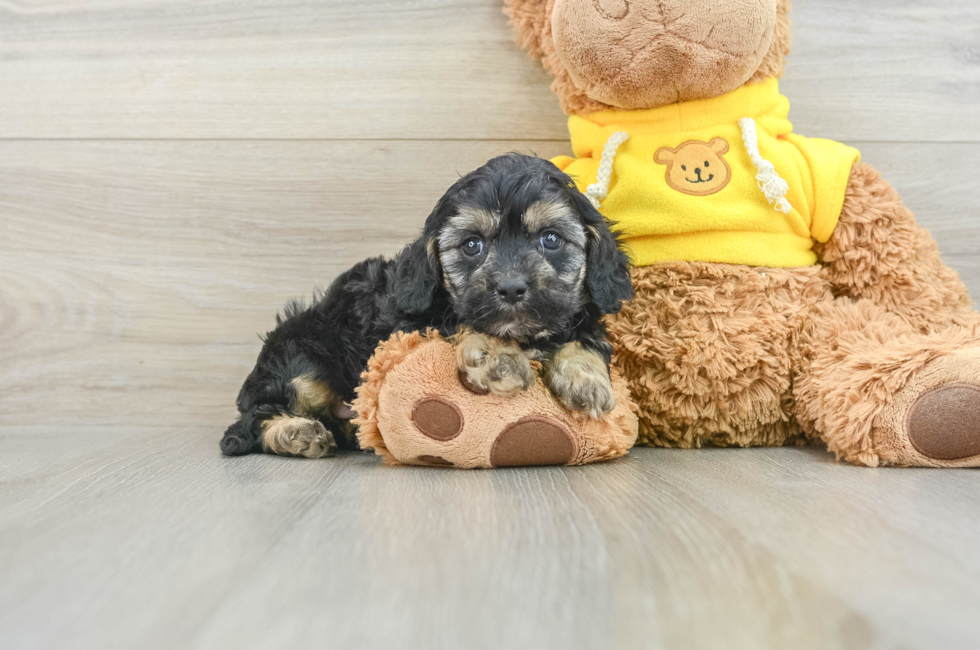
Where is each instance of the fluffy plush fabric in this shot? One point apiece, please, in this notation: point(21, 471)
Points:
point(412, 409)
point(595, 66)
point(841, 352)
point(709, 351)
point(879, 253)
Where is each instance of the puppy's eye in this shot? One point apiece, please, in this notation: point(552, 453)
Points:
point(707, 164)
point(473, 246)
point(684, 167)
point(551, 241)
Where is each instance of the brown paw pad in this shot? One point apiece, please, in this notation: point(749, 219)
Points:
point(533, 441)
point(438, 418)
point(944, 423)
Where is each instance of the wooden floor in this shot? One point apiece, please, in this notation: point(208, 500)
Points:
point(172, 172)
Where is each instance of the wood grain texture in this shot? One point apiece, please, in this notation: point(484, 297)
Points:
point(429, 69)
point(135, 276)
point(161, 543)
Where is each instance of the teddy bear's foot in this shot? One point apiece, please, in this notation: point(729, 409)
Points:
point(934, 421)
point(944, 423)
point(489, 365)
point(294, 436)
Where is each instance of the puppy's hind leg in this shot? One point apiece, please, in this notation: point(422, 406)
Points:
point(283, 418)
point(290, 435)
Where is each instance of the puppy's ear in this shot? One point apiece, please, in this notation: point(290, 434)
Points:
point(608, 272)
point(417, 276)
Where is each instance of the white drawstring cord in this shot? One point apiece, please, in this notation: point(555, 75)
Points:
point(596, 192)
point(770, 182)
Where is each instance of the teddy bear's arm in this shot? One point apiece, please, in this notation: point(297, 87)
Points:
point(879, 252)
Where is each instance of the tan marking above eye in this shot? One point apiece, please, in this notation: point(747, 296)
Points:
point(470, 219)
point(543, 214)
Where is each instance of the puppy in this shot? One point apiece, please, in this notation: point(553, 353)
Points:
point(513, 262)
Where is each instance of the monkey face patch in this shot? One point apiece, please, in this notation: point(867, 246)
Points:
point(696, 168)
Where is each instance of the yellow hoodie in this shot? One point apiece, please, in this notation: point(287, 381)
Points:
point(693, 181)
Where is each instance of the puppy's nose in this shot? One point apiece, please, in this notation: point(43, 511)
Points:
point(512, 290)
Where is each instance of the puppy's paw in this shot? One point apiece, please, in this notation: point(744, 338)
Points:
point(293, 436)
point(579, 378)
point(492, 365)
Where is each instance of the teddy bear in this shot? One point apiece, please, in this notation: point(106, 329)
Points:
point(783, 292)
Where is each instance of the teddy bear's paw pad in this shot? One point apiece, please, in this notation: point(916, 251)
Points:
point(438, 418)
point(470, 386)
point(533, 441)
point(944, 423)
point(435, 460)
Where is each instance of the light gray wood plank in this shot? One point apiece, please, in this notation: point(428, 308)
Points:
point(135, 276)
point(150, 539)
point(430, 69)
point(881, 70)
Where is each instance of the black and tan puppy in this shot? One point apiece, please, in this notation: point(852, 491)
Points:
point(513, 261)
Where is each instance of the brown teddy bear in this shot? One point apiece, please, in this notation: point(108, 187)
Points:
point(783, 292)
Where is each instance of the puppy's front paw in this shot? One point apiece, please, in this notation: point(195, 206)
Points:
point(580, 379)
point(294, 436)
point(492, 365)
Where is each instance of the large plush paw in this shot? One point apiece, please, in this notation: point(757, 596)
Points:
point(935, 419)
point(489, 365)
point(418, 408)
point(580, 379)
point(293, 436)
point(944, 422)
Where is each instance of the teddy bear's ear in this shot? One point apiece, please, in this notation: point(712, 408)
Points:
point(719, 146)
point(528, 18)
point(664, 156)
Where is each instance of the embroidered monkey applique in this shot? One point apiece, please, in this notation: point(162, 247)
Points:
point(696, 168)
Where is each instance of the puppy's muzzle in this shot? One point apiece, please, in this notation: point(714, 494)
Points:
point(512, 290)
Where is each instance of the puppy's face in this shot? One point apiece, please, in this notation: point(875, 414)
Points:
point(515, 272)
point(518, 252)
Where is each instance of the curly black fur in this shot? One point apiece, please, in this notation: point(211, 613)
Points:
point(431, 283)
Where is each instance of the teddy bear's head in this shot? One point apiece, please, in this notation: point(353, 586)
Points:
point(635, 54)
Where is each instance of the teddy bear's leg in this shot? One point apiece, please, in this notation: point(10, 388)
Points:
point(878, 252)
point(878, 391)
